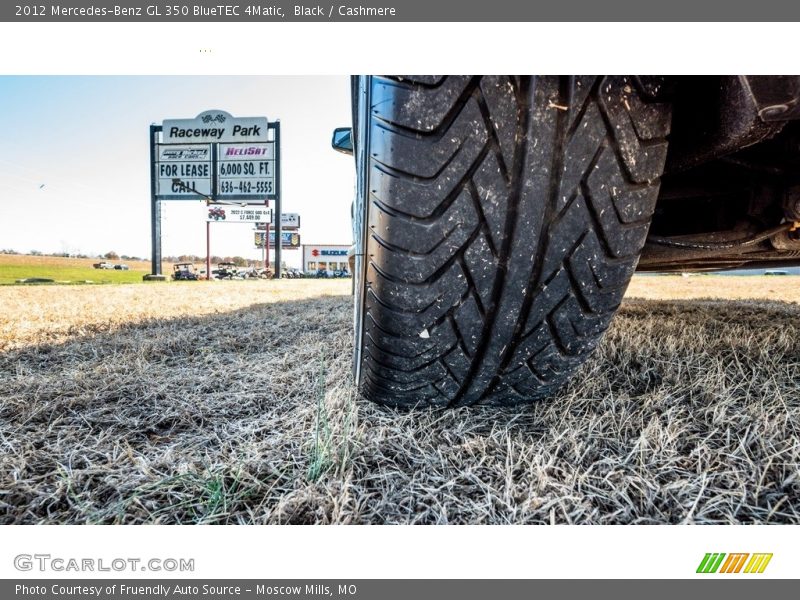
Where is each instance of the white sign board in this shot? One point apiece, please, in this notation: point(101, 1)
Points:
point(335, 252)
point(190, 165)
point(216, 156)
point(238, 214)
point(289, 221)
point(246, 171)
point(214, 126)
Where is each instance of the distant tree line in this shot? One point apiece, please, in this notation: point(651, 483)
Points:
point(239, 261)
point(111, 255)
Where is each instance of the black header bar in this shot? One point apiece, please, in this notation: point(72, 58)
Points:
point(399, 11)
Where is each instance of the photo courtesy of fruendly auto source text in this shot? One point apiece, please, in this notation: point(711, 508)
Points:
point(536, 333)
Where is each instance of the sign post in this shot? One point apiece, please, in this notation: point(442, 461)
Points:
point(266, 251)
point(278, 194)
point(213, 197)
point(208, 250)
point(155, 213)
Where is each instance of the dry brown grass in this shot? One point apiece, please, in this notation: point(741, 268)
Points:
point(728, 287)
point(54, 314)
point(232, 403)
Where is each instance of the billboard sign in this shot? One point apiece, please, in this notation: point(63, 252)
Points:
point(190, 164)
point(289, 239)
point(238, 214)
point(214, 126)
point(288, 221)
point(216, 156)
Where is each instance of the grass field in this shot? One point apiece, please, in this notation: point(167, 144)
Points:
point(67, 270)
point(231, 402)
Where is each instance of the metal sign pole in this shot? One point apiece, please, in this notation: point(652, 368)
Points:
point(213, 198)
point(278, 194)
point(266, 247)
point(155, 213)
point(208, 250)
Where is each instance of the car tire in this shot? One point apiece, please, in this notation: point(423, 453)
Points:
point(499, 221)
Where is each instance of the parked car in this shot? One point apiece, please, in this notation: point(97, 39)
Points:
point(498, 219)
point(121, 267)
point(103, 265)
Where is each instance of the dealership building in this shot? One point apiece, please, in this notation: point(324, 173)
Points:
point(330, 257)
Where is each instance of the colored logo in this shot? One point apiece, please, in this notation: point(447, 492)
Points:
point(742, 562)
point(249, 151)
point(184, 154)
point(216, 214)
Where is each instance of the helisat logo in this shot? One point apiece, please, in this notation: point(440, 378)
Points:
point(248, 151)
point(738, 562)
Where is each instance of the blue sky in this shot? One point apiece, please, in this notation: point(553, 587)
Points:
point(74, 160)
